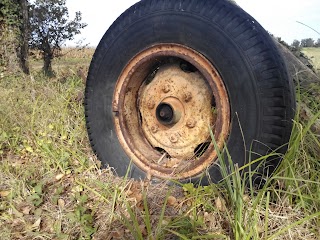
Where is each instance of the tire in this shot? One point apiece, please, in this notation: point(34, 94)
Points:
point(134, 114)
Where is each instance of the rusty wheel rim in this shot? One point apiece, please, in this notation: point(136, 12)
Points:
point(166, 102)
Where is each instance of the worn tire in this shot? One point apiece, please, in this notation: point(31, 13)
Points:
point(260, 92)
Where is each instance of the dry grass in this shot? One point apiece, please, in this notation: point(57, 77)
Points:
point(314, 55)
point(52, 186)
point(72, 57)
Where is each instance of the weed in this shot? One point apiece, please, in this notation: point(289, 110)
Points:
point(52, 186)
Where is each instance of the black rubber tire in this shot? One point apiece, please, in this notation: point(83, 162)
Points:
point(261, 94)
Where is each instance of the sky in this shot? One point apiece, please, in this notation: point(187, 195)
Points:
point(279, 17)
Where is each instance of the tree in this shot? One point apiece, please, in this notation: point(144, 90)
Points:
point(23, 46)
point(296, 44)
point(307, 42)
point(50, 28)
point(9, 31)
point(317, 43)
point(14, 34)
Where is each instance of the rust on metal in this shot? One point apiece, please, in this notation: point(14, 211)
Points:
point(173, 138)
point(165, 88)
point(151, 104)
point(191, 123)
point(161, 123)
point(154, 128)
point(183, 85)
point(187, 96)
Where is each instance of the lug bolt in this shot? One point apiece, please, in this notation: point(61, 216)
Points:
point(151, 104)
point(187, 96)
point(166, 88)
point(154, 129)
point(173, 138)
point(191, 123)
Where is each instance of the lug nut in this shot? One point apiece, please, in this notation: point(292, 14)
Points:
point(191, 123)
point(173, 138)
point(151, 104)
point(187, 96)
point(154, 129)
point(166, 88)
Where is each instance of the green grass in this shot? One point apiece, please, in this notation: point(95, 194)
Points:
point(52, 186)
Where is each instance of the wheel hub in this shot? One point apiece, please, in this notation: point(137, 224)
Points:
point(166, 102)
point(166, 114)
point(183, 115)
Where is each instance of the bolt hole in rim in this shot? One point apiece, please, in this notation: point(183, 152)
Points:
point(166, 100)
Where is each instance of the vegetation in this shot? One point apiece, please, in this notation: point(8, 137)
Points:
point(8, 32)
point(23, 46)
point(50, 28)
point(14, 34)
point(42, 25)
point(305, 43)
point(314, 55)
point(52, 186)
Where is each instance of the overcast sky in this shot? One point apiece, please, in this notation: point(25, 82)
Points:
point(277, 16)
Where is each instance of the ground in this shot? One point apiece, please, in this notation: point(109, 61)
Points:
point(52, 187)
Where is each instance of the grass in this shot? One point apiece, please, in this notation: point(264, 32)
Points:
point(72, 57)
point(52, 186)
point(311, 96)
point(314, 55)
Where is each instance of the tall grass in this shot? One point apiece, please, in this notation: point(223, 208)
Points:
point(51, 185)
point(287, 206)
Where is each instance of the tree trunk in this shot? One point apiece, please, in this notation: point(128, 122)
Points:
point(47, 54)
point(23, 49)
point(47, 67)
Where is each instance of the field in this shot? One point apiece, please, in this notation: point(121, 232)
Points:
point(314, 55)
point(52, 187)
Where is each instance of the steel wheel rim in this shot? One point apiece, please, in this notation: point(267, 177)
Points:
point(138, 122)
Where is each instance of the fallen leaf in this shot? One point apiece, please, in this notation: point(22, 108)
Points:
point(117, 234)
point(220, 204)
point(172, 201)
point(80, 96)
point(143, 229)
point(61, 203)
point(4, 193)
point(36, 223)
point(164, 222)
point(246, 198)
point(26, 210)
point(209, 217)
point(77, 188)
point(129, 192)
point(59, 176)
point(138, 197)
